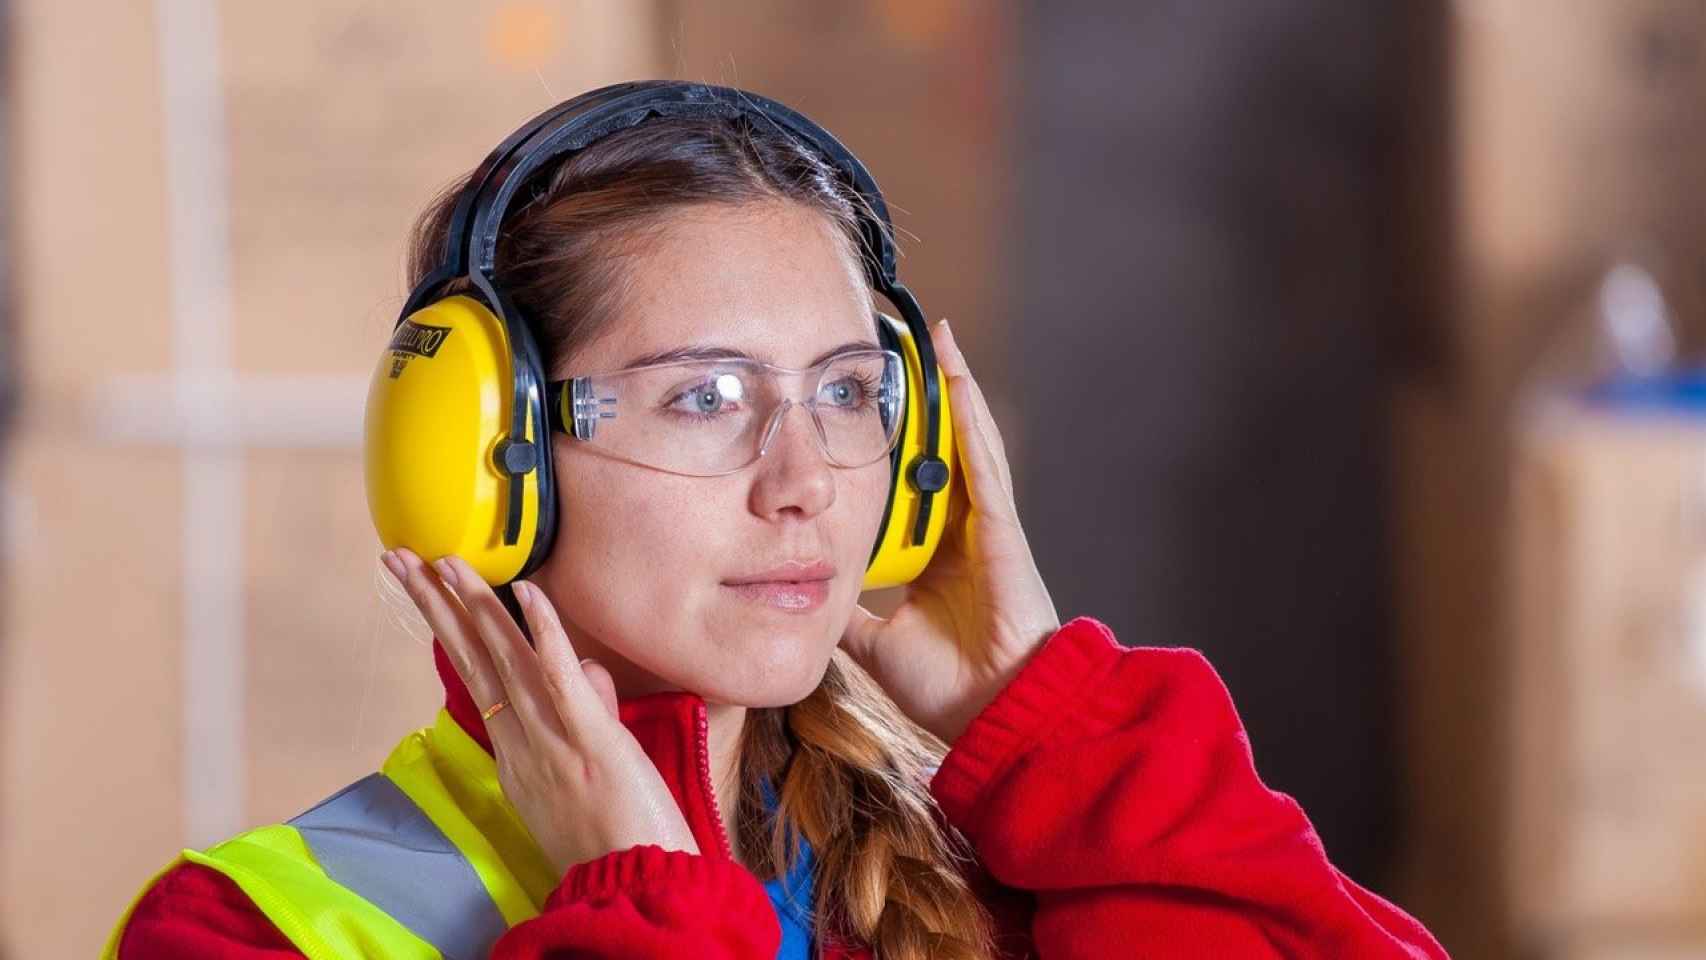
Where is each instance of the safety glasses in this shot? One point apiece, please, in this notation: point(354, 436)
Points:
point(707, 418)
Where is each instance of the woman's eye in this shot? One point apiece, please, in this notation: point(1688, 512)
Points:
point(711, 397)
point(700, 400)
point(847, 392)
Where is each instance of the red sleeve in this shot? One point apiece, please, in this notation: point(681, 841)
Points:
point(646, 901)
point(195, 911)
point(1116, 787)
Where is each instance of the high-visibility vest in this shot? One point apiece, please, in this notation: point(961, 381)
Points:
point(424, 860)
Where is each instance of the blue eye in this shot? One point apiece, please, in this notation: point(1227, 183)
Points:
point(707, 401)
point(851, 392)
point(710, 398)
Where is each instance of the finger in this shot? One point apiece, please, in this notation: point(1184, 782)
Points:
point(602, 683)
point(991, 428)
point(573, 695)
point(987, 482)
point(516, 664)
point(956, 365)
point(453, 627)
point(859, 637)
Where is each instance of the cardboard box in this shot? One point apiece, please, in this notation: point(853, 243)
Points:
point(1606, 814)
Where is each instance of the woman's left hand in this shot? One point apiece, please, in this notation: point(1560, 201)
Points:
point(980, 609)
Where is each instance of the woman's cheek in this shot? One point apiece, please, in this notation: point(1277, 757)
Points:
point(872, 495)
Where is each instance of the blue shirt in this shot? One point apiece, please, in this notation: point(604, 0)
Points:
point(791, 896)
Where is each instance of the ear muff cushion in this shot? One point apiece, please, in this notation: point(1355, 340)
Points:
point(896, 560)
point(439, 402)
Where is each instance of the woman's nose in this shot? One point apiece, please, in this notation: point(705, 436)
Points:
point(793, 470)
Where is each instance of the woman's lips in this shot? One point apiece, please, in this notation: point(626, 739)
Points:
point(792, 596)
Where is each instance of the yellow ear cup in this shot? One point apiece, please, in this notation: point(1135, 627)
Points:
point(439, 402)
point(897, 560)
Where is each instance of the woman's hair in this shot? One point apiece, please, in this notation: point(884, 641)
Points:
point(853, 770)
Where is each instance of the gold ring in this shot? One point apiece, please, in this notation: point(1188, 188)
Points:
point(492, 710)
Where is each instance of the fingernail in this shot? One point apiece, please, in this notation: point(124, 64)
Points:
point(524, 593)
point(445, 573)
point(393, 564)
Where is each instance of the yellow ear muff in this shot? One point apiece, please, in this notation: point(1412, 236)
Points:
point(897, 559)
point(439, 403)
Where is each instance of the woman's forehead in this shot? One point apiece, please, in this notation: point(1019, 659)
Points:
point(778, 287)
point(798, 341)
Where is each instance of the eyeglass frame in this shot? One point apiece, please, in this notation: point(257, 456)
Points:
point(571, 408)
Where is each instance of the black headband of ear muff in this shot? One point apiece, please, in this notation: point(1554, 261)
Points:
point(471, 243)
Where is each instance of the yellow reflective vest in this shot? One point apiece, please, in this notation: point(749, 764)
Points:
point(424, 860)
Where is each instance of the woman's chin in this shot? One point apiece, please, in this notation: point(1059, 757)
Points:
point(778, 672)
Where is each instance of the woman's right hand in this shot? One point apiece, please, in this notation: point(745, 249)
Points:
point(575, 774)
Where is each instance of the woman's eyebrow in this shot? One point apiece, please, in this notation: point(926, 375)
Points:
point(713, 352)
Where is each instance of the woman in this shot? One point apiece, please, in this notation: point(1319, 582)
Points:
point(705, 746)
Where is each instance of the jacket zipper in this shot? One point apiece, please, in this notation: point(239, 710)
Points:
point(702, 722)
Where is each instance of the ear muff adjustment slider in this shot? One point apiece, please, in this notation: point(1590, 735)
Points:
point(929, 474)
point(516, 458)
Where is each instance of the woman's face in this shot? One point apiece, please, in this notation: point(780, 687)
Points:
point(638, 567)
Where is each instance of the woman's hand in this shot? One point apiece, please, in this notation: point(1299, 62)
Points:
point(980, 609)
point(580, 781)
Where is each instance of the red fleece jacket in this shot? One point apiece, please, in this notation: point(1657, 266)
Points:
point(1108, 791)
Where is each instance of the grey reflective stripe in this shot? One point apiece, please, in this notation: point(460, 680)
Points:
point(372, 840)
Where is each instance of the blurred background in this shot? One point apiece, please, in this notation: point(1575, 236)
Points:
point(1355, 344)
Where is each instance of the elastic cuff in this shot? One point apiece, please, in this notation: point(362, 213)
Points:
point(1052, 688)
point(647, 865)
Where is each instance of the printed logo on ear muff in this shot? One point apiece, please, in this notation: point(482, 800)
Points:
point(414, 340)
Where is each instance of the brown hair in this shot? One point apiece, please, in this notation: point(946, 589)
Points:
point(852, 769)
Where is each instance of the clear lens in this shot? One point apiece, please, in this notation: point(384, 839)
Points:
point(710, 417)
point(857, 405)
